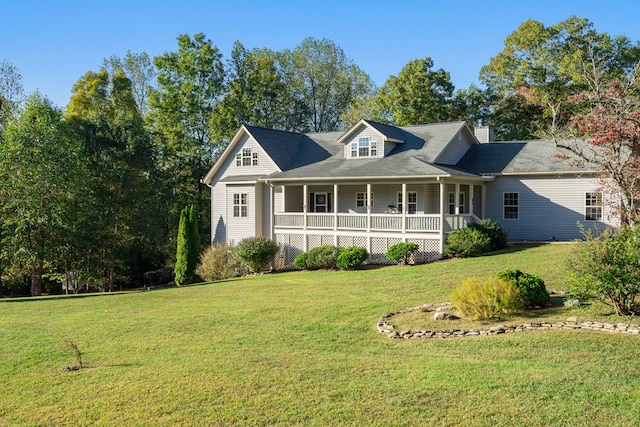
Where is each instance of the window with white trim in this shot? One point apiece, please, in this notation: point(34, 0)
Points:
point(364, 148)
point(247, 157)
point(412, 202)
point(361, 200)
point(511, 205)
point(240, 205)
point(452, 203)
point(593, 206)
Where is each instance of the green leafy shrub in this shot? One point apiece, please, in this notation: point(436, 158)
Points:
point(300, 261)
point(487, 299)
point(400, 252)
point(256, 252)
point(352, 257)
point(467, 242)
point(323, 257)
point(218, 262)
point(531, 289)
point(496, 233)
point(608, 268)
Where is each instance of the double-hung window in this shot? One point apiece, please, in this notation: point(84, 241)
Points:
point(240, 205)
point(593, 206)
point(412, 202)
point(511, 206)
point(247, 157)
point(361, 200)
point(364, 148)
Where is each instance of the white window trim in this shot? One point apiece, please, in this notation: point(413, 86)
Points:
point(399, 199)
point(597, 207)
point(246, 157)
point(504, 206)
point(364, 143)
point(240, 205)
point(363, 199)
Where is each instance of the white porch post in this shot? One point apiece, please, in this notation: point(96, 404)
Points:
point(305, 201)
point(272, 213)
point(443, 195)
point(335, 214)
point(471, 192)
point(368, 207)
point(483, 200)
point(405, 204)
point(456, 202)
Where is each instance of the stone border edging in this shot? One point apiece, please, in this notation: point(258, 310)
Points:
point(385, 328)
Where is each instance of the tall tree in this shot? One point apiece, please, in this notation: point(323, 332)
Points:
point(121, 161)
point(257, 95)
point(11, 91)
point(545, 65)
point(608, 136)
point(41, 192)
point(321, 77)
point(140, 70)
point(418, 94)
point(190, 87)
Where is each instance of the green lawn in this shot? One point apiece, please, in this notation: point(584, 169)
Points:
point(302, 348)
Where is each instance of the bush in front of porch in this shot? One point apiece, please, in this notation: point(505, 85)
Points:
point(401, 252)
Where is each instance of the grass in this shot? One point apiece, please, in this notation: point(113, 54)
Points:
point(302, 348)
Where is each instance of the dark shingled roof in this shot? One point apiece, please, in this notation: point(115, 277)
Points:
point(540, 156)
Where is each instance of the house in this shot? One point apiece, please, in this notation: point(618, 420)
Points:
point(376, 185)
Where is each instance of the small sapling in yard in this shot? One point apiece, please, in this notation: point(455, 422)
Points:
point(73, 346)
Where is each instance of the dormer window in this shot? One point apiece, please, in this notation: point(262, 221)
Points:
point(247, 158)
point(364, 148)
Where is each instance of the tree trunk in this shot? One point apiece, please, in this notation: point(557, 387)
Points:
point(36, 283)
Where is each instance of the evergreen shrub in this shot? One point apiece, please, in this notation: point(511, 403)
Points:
point(467, 242)
point(352, 257)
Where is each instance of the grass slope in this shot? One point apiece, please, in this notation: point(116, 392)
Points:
point(302, 348)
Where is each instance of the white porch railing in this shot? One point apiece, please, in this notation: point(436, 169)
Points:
point(455, 222)
point(379, 222)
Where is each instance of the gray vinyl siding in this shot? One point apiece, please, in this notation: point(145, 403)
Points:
point(454, 151)
point(239, 228)
point(265, 165)
point(265, 211)
point(549, 208)
point(278, 198)
point(218, 214)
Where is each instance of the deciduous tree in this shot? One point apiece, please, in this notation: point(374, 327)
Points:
point(190, 87)
point(41, 192)
point(418, 94)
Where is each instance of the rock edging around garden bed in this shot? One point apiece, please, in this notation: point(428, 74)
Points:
point(571, 323)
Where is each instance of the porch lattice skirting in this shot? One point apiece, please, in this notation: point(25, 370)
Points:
point(293, 244)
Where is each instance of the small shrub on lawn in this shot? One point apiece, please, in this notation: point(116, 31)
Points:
point(323, 257)
point(218, 262)
point(400, 252)
point(496, 233)
point(467, 242)
point(256, 252)
point(608, 268)
point(531, 289)
point(487, 299)
point(352, 257)
point(300, 261)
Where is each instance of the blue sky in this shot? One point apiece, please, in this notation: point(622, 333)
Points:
point(53, 43)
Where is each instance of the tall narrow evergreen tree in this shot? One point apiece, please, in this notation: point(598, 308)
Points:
point(181, 269)
point(194, 242)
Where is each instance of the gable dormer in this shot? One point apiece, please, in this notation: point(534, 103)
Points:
point(368, 140)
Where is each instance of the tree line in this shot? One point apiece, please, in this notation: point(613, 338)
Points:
point(93, 193)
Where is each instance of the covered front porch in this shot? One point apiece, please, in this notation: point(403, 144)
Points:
point(374, 214)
